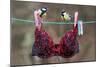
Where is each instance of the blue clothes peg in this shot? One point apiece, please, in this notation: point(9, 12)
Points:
point(80, 27)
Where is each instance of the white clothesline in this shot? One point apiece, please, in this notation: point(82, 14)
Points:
point(51, 22)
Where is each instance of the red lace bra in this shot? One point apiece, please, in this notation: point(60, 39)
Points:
point(44, 47)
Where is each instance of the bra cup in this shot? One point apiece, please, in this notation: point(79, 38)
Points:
point(43, 44)
point(69, 44)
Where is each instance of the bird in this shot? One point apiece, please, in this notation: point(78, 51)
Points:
point(65, 16)
point(42, 12)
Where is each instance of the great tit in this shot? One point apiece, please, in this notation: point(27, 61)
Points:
point(65, 16)
point(42, 12)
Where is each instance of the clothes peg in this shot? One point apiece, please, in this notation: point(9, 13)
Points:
point(80, 27)
point(75, 18)
point(81, 23)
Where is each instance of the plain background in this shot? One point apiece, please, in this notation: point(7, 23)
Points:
point(5, 33)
